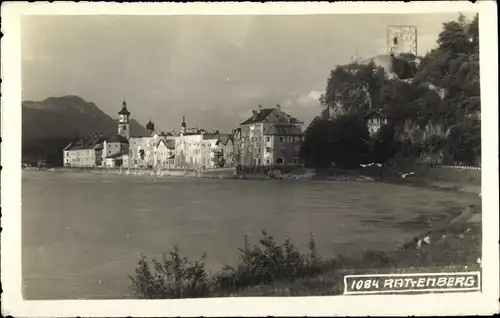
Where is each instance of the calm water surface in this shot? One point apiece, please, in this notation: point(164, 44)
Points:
point(83, 233)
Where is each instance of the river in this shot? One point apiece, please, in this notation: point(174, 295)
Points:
point(82, 234)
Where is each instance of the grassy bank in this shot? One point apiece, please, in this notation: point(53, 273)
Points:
point(272, 269)
point(423, 176)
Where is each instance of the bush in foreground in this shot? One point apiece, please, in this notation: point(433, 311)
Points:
point(269, 268)
point(264, 263)
point(174, 277)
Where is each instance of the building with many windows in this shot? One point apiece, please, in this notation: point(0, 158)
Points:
point(269, 137)
point(200, 149)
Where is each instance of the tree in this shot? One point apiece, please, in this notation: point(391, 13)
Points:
point(317, 145)
point(454, 67)
point(463, 143)
point(358, 85)
point(343, 142)
point(385, 145)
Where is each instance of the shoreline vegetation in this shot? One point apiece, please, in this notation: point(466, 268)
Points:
point(272, 269)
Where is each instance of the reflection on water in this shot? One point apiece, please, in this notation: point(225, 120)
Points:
point(83, 233)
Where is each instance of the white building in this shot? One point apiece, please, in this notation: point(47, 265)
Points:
point(199, 149)
point(374, 121)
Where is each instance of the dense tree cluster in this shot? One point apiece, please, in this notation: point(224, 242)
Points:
point(440, 88)
point(343, 142)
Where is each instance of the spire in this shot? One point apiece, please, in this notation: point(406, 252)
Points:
point(150, 126)
point(124, 110)
point(183, 121)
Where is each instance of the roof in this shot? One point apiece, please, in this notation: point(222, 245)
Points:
point(86, 143)
point(169, 143)
point(262, 115)
point(211, 136)
point(284, 131)
point(114, 156)
point(224, 139)
point(374, 114)
point(117, 138)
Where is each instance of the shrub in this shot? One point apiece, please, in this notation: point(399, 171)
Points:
point(264, 263)
point(174, 277)
point(268, 262)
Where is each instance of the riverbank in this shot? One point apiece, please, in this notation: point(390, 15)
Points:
point(467, 181)
point(454, 248)
point(271, 269)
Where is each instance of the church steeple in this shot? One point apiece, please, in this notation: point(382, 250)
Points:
point(183, 125)
point(124, 110)
point(150, 126)
point(123, 121)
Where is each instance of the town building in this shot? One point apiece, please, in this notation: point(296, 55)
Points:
point(99, 150)
point(86, 152)
point(269, 137)
point(164, 155)
point(224, 151)
point(197, 148)
point(374, 121)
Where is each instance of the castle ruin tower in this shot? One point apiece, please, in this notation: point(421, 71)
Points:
point(402, 39)
point(123, 121)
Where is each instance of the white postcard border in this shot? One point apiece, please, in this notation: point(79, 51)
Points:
point(367, 305)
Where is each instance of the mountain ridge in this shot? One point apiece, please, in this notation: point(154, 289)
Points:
point(68, 116)
point(48, 126)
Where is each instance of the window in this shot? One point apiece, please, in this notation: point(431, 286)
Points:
point(267, 161)
point(279, 160)
point(258, 150)
point(268, 139)
point(124, 127)
point(281, 139)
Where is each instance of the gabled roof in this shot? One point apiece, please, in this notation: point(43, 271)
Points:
point(224, 139)
point(117, 138)
point(260, 116)
point(86, 143)
point(68, 147)
point(374, 114)
point(284, 131)
point(169, 143)
point(263, 114)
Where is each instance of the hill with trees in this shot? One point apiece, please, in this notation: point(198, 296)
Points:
point(438, 89)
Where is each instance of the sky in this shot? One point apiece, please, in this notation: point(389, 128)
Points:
point(213, 69)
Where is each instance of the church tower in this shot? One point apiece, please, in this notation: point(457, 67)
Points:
point(183, 125)
point(150, 127)
point(123, 121)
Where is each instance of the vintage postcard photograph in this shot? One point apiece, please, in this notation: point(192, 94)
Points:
point(249, 159)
